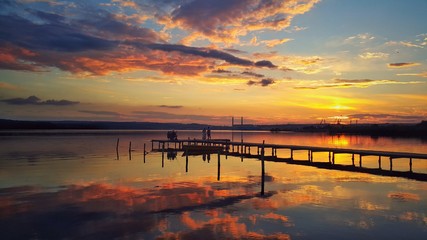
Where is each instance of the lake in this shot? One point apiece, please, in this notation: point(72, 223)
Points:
point(73, 185)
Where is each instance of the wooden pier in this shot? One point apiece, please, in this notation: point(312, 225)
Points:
point(269, 152)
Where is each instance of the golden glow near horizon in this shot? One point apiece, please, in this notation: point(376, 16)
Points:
point(184, 61)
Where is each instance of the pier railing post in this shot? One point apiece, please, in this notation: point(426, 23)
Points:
point(117, 148)
point(262, 169)
point(130, 150)
point(219, 167)
point(145, 152)
point(186, 160)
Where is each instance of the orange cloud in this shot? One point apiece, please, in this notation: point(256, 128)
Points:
point(8, 86)
point(275, 42)
point(404, 196)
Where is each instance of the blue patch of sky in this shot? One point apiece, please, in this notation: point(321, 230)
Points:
point(337, 19)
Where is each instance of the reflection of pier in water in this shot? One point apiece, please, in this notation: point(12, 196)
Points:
point(243, 150)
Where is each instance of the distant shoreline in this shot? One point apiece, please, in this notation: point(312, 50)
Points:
point(418, 130)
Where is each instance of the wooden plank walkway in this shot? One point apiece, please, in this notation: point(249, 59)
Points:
point(244, 149)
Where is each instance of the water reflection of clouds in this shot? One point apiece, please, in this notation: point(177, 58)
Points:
point(404, 196)
point(100, 210)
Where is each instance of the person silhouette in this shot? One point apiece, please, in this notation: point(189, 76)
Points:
point(209, 133)
point(204, 134)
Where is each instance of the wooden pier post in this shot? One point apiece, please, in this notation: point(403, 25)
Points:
point(117, 148)
point(292, 154)
point(360, 160)
point(219, 167)
point(145, 152)
point(186, 160)
point(241, 149)
point(130, 150)
point(333, 158)
point(391, 164)
point(352, 159)
point(379, 162)
point(262, 169)
point(163, 154)
point(410, 164)
point(329, 156)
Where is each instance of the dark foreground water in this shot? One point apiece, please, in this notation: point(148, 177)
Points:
point(70, 185)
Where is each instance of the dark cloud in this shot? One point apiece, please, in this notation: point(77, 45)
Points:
point(235, 51)
point(226, 20)
point(252, 74)
point(265, 63)
point(203, 52)
point(87, 39)
point(264, 82)
point(402, 64)
point(52, 37)
point(33, 100)
point(170, 106)
point(220, 70)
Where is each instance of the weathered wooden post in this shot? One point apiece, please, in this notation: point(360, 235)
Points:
point(379, 162)
point(186, 160)
point(130, 150)
point(262, 169)
point(410, 164)
point(219, 167)
point(145, 153)
point(163, 155)
point(117, 148)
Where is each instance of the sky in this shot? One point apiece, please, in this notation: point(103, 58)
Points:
point(204, 61)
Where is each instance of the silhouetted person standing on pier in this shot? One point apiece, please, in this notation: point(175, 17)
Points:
point(204, 134)
point(209, 133)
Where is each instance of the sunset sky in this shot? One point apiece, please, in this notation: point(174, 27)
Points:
point(203, 61)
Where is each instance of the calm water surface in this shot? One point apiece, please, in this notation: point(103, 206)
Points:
point(71, 185)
